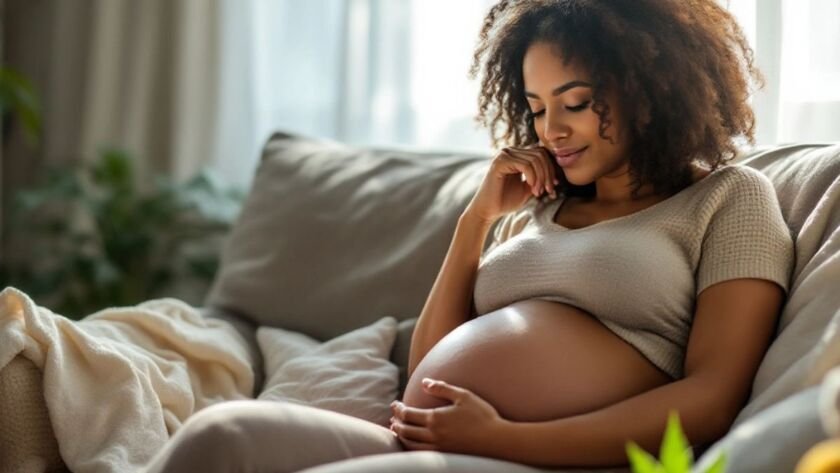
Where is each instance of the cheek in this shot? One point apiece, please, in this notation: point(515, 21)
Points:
point(591, 124)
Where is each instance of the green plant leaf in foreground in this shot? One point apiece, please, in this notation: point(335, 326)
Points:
point(642, 461)
point(675, 454)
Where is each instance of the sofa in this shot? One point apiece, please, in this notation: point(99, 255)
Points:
point(334, 237)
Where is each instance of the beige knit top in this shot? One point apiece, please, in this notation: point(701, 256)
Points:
point(640, 274)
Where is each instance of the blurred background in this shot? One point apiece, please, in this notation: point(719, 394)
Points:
point(131, 128)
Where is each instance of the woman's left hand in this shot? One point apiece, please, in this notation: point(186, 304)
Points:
point(469, 425)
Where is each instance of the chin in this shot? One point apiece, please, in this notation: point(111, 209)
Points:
point(578, 178)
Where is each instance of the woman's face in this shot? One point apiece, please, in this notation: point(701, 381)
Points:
point(560, 98)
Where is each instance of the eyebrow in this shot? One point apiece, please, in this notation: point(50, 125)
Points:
point(562, 88)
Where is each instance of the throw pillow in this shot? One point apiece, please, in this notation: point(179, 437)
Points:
point(349, 374)
point(331, 228)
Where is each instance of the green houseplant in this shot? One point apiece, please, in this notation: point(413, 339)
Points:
point(675, 456)
point(100, 240)
point(17, 96)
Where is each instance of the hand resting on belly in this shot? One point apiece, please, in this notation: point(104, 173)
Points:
point(536, 360)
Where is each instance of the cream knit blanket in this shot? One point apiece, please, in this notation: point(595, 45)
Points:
point(120, 382)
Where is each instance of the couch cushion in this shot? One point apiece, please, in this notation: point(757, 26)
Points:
point(807, 181)
point(772, 441)
point(27, 440)
point(334, 237)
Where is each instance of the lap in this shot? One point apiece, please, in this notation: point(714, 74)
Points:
point(439, 462)
point(253, 435)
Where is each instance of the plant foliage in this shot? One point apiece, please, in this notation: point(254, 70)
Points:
point(675, 454)
point(96, 239)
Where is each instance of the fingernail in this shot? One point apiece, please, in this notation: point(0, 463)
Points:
point(427, 381)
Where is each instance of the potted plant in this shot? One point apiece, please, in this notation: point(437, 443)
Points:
point(100, 240)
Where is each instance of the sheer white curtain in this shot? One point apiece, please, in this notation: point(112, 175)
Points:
point(797, 46)
point(384, 72)
point(373, 72)
point(139, 75)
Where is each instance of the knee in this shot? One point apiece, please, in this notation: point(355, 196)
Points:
point(217, 422)
point(214, 436)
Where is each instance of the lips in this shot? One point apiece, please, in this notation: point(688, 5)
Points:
point(567, 157)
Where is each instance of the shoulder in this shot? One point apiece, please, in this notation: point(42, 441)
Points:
point(742, 185)
point(746, 235)
point(742, 201)
point(738, 176)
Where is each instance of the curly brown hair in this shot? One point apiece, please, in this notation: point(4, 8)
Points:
point(683, 68)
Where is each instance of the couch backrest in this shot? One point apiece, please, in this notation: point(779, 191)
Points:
point(807, 181)
point(334, 237)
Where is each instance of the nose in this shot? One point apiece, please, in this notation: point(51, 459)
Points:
point(556, 128)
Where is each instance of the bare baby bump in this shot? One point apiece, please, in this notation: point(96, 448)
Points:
point(536, 360)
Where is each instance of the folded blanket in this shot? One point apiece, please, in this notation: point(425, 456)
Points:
point(120, 382)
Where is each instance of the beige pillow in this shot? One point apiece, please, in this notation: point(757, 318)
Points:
point(330, 228)
point(349, 374)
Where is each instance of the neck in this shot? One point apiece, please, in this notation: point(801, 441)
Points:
point(616, 189)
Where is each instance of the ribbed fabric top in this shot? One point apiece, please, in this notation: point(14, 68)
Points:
point(640, 274)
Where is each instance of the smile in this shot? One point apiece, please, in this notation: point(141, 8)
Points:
point(569, 159)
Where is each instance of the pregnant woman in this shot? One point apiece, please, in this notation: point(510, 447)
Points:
point(633, 271)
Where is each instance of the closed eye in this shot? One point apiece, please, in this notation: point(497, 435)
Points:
point(576, 108)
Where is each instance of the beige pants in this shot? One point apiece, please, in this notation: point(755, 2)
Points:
point(267, 436)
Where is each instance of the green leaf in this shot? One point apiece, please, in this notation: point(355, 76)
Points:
point(675, 454)
point(641, 461)
point(204, 267)
point(719, 465)
point(131, 241)
point(18, 94)
point(105, 273)
point(114, 170)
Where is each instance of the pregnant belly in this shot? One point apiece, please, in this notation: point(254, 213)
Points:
point(536, 360)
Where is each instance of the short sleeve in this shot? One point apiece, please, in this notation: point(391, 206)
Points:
point(746, 237)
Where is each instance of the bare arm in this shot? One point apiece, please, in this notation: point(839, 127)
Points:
point(733, 326)
point(450, 301)
point(502, 191)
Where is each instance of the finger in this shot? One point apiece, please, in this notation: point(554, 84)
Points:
point(412, 445)
point(412, 415)
point(538, 164)
point(412, 432)
point(524, 167)
point(445, 390)
point(551, 180)
point(543, 165)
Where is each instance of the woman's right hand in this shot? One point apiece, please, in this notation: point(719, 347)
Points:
point(503, 190)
